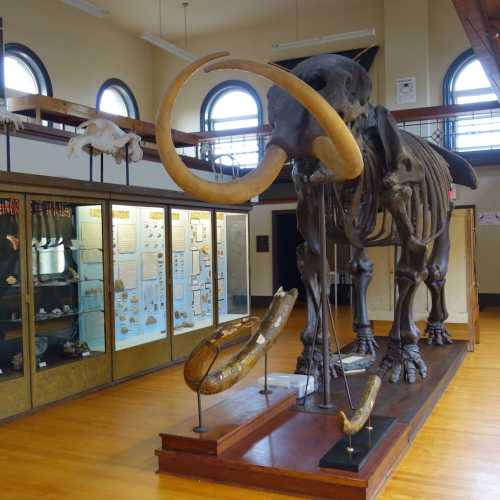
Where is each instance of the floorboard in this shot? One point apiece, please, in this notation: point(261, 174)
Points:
point(101, 446)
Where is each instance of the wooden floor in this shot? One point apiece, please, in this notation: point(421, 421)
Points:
point(101, 446)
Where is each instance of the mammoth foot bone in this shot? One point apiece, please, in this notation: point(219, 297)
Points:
point(365, 343)
point(438, 334)
point(403, 364)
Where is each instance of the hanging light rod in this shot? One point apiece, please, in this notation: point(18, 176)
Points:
point(169, 47)
point(309, 42)
point(87, 7)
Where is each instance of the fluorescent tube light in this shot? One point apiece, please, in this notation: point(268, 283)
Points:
point(87, 7)
point(169, 47)
point(308, 42)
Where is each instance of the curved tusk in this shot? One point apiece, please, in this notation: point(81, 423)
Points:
point(261, 341)
point(236, 191)
point(361, 415)
point(324, 149)
point(334, 127)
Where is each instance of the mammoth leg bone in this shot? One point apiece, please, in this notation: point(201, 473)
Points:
point(310, 360)
point(402, 359)
point(362, 272)
point(437, 268)
point(195, 368)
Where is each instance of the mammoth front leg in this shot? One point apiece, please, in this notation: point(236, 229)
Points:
point(362, 272)
point(308, 264)
point(436, 278)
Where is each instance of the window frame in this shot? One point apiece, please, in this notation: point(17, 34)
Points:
point(125, 92)
point(216, 93)
point(34, 63)
point(449, 80)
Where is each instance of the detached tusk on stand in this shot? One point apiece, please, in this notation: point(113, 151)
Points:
point(358, 420)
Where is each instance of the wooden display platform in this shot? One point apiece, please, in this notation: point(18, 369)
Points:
point(283, 452)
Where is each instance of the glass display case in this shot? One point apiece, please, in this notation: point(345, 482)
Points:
point(11, 334)
point(232, 266)
point(67, 273)
point(139, 275)
point(191, 232)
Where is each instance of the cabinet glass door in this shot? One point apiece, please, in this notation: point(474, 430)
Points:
point(67, 270)
point(232, 266)
point(191, 270)
point(14, 383)
point(139, 275)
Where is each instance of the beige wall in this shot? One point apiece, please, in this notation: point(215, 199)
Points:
point(486, 199)
point(80, 51)
point(318, 18)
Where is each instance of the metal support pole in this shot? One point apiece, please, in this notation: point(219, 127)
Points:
point(7, 145)
point(325, 306)
point(102, 167)
point(127, 170)
point(91, 164)
point(266, 390)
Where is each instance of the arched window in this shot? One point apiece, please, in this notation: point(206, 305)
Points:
point(116, 98)
point(466, 83)
point(233, 105)
point(25, 72)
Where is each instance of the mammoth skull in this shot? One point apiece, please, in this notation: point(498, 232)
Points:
point(326, 136)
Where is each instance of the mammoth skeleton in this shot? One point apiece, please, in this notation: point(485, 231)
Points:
point(384, 186)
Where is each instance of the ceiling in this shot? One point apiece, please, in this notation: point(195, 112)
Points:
point(481, 22)
point(204, 17)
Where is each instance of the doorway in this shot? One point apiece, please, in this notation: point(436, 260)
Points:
point(286, 238)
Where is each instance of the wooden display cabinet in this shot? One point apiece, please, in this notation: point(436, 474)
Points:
point(48, 321)
point(15, 391)
point(69, 341)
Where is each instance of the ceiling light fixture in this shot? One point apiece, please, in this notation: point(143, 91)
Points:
point(87, 7)
point(163, 44)
point(309, 42)
point(169, 47)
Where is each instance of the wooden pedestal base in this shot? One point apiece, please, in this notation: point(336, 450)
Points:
point(279, 447)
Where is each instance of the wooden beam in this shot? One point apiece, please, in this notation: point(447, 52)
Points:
point(478, 18)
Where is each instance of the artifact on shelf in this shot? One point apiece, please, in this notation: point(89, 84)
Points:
point(119, 286)
point(74, 348)
point(264, 335)
point(11, 280)
point(104, 136)
point(17, 361)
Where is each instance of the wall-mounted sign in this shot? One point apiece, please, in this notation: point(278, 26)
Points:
point(263, 243)
point(489, 218)
point(406, 90)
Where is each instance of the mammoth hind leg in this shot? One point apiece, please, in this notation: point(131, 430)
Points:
point(436, 278)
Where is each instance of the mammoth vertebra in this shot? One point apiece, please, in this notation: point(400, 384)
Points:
point(195, 368)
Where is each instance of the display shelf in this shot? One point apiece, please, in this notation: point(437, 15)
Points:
point(9, 374)
point(65, 283)
point(67, 315)
point(56, 360)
